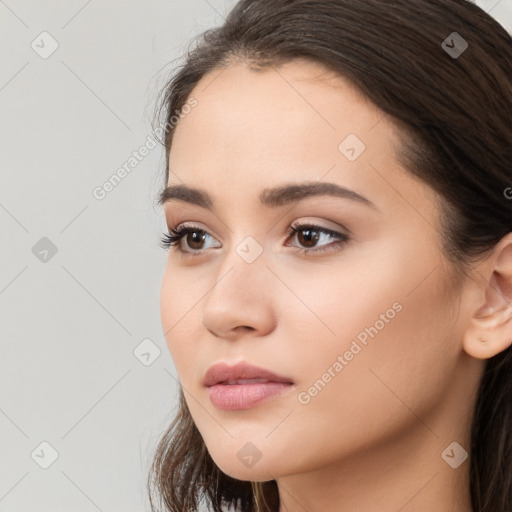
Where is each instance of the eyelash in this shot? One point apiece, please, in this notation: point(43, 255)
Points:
point(173, 238)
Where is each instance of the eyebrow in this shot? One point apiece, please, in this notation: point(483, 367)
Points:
point(269, 197)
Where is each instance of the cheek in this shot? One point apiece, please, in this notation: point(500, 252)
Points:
point(179, 317)
point(391, 326)
point(391, 361)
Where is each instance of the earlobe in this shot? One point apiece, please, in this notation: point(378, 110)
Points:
point(485, 348)
point(490, 328)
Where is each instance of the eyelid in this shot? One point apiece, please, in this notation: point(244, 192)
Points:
point(338, 229)
point(322, 223)
point(193, 225)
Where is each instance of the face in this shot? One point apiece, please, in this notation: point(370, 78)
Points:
point(355, 311)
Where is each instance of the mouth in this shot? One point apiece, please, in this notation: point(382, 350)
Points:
point(244, 396)
point(241, 373)
point(242, 386)
point(244, 381)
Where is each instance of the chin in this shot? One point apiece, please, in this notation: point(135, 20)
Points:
point(244, 461)
point(234, 469)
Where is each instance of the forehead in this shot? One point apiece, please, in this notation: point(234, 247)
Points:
point(253, 130)
point(299, 110)
point(278, 100)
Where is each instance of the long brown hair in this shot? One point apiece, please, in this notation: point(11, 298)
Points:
point(454, 112)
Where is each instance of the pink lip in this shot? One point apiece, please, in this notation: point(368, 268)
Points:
point(244, 395)
point(222, 372)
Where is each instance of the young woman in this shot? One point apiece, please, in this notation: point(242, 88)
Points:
point(338, 293)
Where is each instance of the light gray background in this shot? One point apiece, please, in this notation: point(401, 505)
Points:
point(70, 324)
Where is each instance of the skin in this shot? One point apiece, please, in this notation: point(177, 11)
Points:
point(372, 438)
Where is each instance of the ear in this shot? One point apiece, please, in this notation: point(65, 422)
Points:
point(492, 314)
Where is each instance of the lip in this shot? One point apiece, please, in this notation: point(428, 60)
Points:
point(249, 385)
point(232, 397)
point(221, 373)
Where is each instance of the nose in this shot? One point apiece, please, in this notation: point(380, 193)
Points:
point(233, 333)
point(240, 302)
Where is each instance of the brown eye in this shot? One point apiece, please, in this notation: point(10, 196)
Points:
point(308, 237)
point(195, 239)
